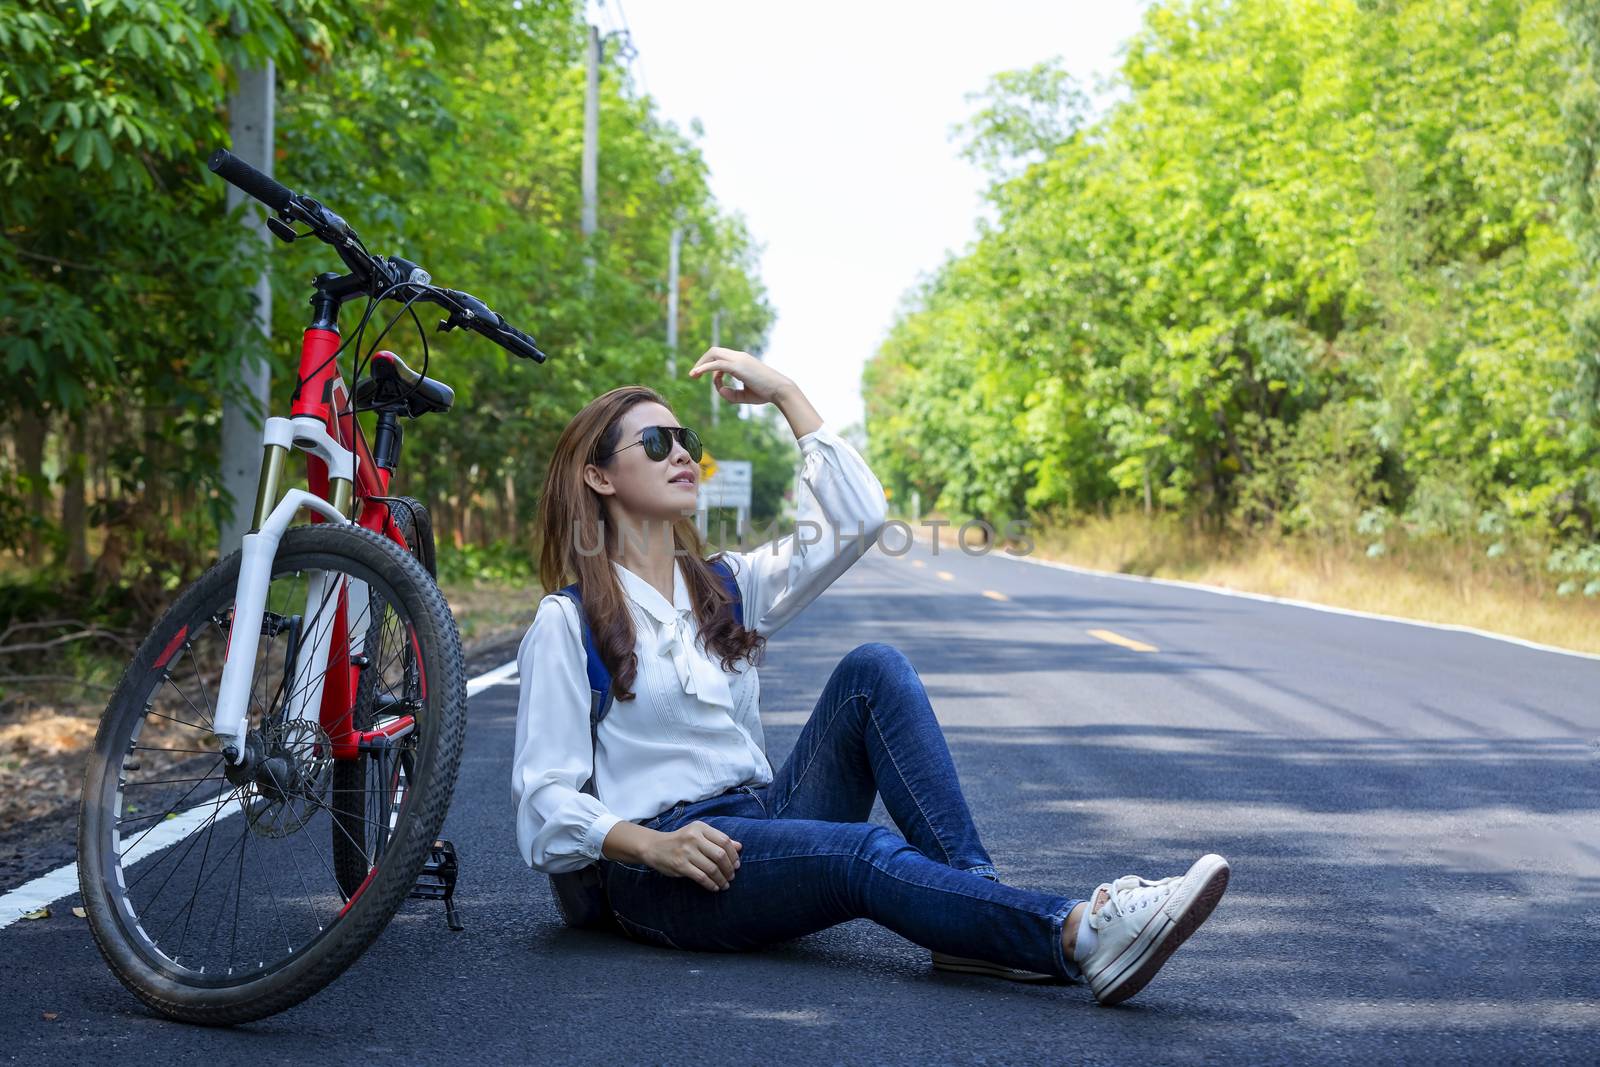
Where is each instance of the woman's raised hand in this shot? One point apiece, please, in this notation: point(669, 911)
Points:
point(761, 382)
point(696, 850)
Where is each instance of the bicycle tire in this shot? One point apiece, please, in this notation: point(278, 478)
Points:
point(161, 983)
point(350, 861)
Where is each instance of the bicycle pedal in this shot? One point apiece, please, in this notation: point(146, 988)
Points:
point(437, 881)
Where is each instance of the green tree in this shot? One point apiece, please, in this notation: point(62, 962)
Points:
point(446, 133)
point(1314, 263)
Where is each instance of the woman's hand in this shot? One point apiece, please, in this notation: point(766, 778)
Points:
point(761, 382)
point(695, 850)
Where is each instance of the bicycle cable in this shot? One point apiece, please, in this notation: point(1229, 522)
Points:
point(372, 303)
point(365, 361)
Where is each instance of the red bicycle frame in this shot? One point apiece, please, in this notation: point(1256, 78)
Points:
point(321, 394)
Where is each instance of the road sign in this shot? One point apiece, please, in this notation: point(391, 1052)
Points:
point(729, 487)
point(726, 486)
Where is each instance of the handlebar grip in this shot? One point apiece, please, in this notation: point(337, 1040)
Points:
point(235, 171)
point(518, 343)
point(494, 326)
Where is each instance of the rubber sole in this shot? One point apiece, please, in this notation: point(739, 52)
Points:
point(943, 961)
point(1188, 907)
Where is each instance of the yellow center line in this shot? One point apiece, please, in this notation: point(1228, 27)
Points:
point(917, 563)
point(992, 595)
point(1125, 642)
point(947, 576)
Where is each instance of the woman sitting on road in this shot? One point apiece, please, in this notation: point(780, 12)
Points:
point(685, 791)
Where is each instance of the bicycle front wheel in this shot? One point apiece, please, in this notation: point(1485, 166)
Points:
point(212, 890)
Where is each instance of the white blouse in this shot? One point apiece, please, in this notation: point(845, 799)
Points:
point(692, 730)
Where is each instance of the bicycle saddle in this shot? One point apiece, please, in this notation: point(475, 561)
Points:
point(392, 383)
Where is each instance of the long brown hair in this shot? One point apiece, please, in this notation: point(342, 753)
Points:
point(572, 515)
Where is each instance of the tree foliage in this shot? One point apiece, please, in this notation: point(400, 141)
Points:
point(1324, 261)
point(447, 133)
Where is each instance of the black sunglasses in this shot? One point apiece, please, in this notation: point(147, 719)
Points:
point(657, 441)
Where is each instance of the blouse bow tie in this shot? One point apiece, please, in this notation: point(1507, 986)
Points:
point(699, 676)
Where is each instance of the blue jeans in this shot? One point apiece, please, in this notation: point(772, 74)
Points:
point(811, 859)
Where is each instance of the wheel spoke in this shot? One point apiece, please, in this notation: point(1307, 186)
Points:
point(277, 915)
point(194, 839)
point(177, 689)
point(185, 722)
point(170, 808)
point(188, 909)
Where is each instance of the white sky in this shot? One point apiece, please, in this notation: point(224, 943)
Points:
point(827, 126)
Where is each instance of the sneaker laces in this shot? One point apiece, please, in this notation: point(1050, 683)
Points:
point(1127, 896)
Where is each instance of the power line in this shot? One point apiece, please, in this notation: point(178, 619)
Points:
point(629, 51)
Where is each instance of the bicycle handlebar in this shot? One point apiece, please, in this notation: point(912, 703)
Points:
point(393, 274)
point(235, 171)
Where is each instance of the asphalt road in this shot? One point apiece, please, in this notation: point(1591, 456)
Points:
point(1412, 815)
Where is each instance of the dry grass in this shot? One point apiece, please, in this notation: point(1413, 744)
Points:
point(1432, 582)
point(46, 733)
point(488, 612)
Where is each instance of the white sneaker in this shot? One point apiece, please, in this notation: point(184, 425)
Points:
point(1140, 923)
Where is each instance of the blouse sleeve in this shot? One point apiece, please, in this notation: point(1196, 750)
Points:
point(559, 829)
point(840, 509)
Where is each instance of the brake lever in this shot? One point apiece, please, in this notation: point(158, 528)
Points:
point(282, 230)
point(322, 218)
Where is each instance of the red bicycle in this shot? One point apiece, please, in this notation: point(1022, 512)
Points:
point(272, 771)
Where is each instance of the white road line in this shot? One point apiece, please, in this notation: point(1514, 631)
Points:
point(41, 892)
point(1289, 601)
point(63, 881)
point(505, 674)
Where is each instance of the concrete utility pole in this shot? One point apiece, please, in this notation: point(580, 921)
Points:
point(591, 140)
point(250, 123)
point(591, 165)
point(672, 302)
point(745, 410)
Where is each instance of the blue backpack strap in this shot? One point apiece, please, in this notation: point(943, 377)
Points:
point(724, 570)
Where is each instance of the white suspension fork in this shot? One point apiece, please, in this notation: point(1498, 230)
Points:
point(260, 548)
